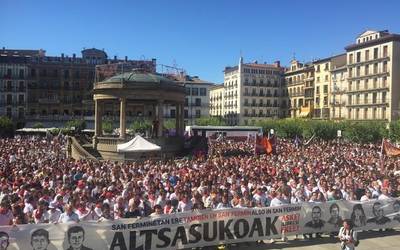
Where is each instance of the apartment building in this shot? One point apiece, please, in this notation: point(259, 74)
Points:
point(197, 100)
point(294, 77)
point(373, 68)
point(13, 87)
point(36, 87)
point(217, 100)
point(338, 88)
point(253, 92)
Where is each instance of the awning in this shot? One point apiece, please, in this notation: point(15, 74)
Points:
point(138, 144)
point(304, 113)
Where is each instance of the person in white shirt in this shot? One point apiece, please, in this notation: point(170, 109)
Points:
point(69, 215)
point(185, 204)
point(367, 196)
point(384, 195)
point(53, 214)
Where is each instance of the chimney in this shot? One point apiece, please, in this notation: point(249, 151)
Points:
point(115, 58)
point(278, 64)
point(73, 55)
point(62, 55)
point(126, 58)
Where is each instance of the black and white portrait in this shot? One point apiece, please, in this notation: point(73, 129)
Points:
point(358, 217)
point(379, 218)
point(76, 238)
point(316, 221)
point(335, 218)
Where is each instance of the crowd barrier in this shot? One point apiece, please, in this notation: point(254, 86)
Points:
point(203, 228)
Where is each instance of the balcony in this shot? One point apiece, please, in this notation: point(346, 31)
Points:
point(367, 104)
point(378, 73)
point(373, 88)
point(372, 60)
point(48, 101)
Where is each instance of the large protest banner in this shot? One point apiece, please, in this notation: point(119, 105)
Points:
point(208, 227)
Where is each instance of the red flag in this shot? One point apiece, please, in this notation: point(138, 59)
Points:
point(389, 149)
point(267, 145)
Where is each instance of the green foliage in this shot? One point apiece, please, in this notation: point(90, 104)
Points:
point(107, 126)
point(140, 126)
point(38, 125)
point(6, 126)
point(363, 132)
point(79, 125)
point(169, 123)
point(394, 131)
point(210, 121)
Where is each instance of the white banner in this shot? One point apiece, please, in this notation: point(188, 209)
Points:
point(186, 230)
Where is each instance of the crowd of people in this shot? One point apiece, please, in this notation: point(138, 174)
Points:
point(39, 184)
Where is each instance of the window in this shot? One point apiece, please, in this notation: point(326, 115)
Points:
point(33, 72)
point(326, 66)
point(358, 71)
point(358, 56)
point(365, 113)
point(172, 113)
point(203, 92)
point(383, 113)
point(383, 97)
point(350, 58)
point(375, 53)
point(374, 98)
point(385, 51)
point(384, 67)
point(186, 101)
point(317, 90)
point(318, 79)
point(366, 84)
point(375, 83)
point(21, 73)
point(350, 72)
point(358, 85)
point(195, 91)
point(374, 113)
point(349, 113)
point(365, 98)
point(186, 113)
point(366, 70)
point(325, 101)
point(358, 99)
point(367, 55)
point(384, 81)
point(198, 102)
point(66, 74)
point(325, 89)
point(357, 114)
point(187, 91)
point(375, 68)
point(55, 73)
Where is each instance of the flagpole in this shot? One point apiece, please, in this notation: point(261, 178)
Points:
point(382, 160)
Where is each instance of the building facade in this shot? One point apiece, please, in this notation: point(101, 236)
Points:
point(373, 68)
point(36, 87)
point(217, 101)
point(295, 79)
point(338, 95)
point(197, 99)
point(13, 86)
point(253, 92)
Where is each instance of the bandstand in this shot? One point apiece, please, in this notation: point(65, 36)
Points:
point(138, 94)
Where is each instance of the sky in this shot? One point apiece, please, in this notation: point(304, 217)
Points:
point(202, 36)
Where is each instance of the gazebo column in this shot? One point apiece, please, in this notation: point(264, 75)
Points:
point(160, 116)
point(97, 122)
point(122, 118)
point(181, 119)
point(177, 122)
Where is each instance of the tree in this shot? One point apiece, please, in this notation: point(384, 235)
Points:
point(107, 126)
point(6, 126)
point(79, 125)
point(140, 126)
point(38, 125)
point(210, 121)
